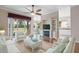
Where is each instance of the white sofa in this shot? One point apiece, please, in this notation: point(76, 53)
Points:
point(64, 46)
point(11, 47)
point(30, 42)
point(70, 46)
point(7, 46)
point(3, 46)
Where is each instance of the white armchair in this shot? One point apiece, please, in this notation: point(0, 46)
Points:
point(33, 42)
point(3, 47)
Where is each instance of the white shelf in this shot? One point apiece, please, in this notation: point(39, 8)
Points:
point(64, 28)
point(65, 32)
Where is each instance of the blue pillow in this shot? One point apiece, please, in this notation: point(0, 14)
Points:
point(34, 38)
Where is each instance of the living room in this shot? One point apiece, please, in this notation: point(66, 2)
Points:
point(39, 29)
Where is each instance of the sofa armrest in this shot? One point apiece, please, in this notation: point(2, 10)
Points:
point(70, 46)
point(3, 49)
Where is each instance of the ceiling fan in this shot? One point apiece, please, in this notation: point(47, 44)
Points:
point(33, 11)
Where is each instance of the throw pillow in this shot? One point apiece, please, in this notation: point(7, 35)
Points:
point(34, 38)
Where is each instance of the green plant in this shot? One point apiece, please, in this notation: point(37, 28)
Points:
point(14, 34)
point(20, 25)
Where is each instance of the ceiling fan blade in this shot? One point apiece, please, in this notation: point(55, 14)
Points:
point(38, 10)
point(28, 9)
point(38, 13)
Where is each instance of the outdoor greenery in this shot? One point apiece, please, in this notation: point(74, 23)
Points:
point(20, 25)
point(22, 28)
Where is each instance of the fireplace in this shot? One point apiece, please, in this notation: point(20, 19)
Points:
point(46, 33)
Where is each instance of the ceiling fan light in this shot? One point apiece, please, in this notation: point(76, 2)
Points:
point(33, 13)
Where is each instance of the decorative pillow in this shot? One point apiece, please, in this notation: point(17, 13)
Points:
point(66, 40)
point(34, 38)
point(1, 41)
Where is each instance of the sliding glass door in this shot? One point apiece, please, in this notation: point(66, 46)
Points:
point(17, 28)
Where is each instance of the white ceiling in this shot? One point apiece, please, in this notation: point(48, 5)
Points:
point(21, 8)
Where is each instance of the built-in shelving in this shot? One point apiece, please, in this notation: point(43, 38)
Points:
point(64, 22)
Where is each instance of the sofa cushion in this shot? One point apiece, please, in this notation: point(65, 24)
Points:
point(60, 48)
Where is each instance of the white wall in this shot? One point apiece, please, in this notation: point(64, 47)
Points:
point(75, 22)
point(4, 20)
point(50, 16)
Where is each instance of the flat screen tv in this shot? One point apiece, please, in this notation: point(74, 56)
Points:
point(46, 26)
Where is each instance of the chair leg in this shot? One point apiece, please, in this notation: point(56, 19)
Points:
point(32, 49)
point(41, 45)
